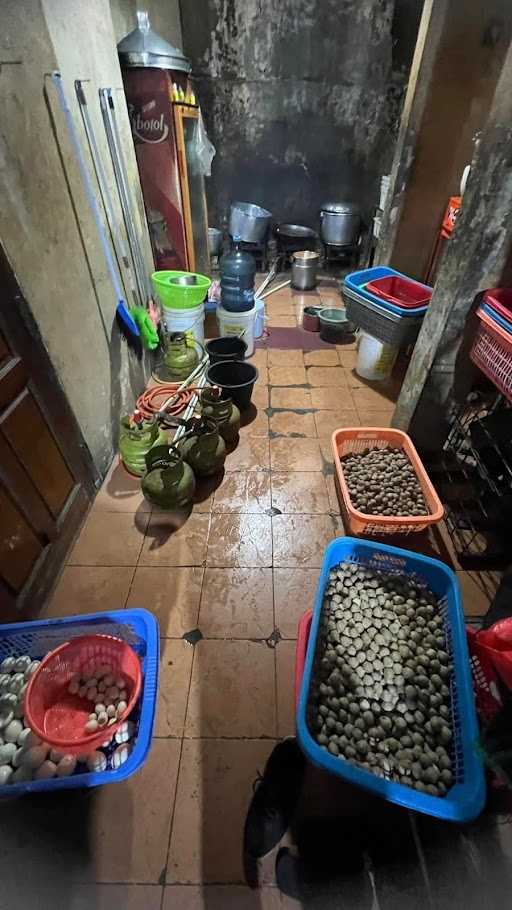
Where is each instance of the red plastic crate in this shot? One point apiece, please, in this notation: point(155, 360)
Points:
point(500, 299)
point(403, 292)
point(492, 353)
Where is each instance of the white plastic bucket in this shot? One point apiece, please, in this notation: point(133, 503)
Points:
point(238, 324)
point(259, 319)
point(186, 321)
point(375, 360)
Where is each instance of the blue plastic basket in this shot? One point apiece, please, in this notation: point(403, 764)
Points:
point(357, 282)
point(465, 799)
point(140, 630)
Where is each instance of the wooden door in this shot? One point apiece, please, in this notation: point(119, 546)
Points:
point(46, 473)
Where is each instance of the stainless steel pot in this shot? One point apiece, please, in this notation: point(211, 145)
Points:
point(214, 241)
point(249, 222)
point(340, 223)
point(304, 267)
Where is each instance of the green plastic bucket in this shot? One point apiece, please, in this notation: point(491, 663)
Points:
point(176, 296)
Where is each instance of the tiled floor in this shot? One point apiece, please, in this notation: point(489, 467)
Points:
point(242, 570)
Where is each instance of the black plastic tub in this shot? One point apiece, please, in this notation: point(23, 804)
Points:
point(227, 347)
point(236, 378)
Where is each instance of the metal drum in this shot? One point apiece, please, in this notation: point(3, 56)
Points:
point(304, 268)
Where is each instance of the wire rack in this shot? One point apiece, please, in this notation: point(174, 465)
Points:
point(473, 476)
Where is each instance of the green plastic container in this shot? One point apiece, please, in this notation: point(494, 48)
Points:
point(176, 296)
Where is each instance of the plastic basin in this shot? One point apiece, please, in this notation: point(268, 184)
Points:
point(403, 292)
point(236, 378)
point(227, 347)
point(176, 296)
point(334, 325)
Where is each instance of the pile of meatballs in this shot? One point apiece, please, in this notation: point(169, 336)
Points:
point(383, 482)
point(380, 692)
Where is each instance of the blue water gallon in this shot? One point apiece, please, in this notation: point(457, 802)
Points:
point(237, 271)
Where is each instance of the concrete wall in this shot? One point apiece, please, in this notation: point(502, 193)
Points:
point(164, 16)
point(301, 98)
point(462, 83)
point(45, 224)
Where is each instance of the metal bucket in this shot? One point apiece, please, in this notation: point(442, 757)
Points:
point(340, 223)
point(304, 268)
point(249, 222)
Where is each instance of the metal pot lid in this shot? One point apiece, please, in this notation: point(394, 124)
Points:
point(340, 208)
point(143, 47)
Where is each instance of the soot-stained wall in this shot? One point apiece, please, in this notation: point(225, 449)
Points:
point(300, 97)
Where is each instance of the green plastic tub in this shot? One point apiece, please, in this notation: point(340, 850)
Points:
point(179, 297)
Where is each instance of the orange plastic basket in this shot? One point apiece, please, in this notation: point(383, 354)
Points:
point(357, 439)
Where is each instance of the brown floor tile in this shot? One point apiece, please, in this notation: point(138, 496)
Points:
point(41, 894)
point(88, 589)
point(371, 398)
point(285, 375)
point(285, 670)
point(326, 451)
point(328, 421)
point(259, 358)
point(332, 399)
point(260, 397)
point(243, 492)
point(220, 897)
point(120, 492)
point(279, 308)
point(237, 603)
point(321, 358)
point(255, 423)
point(232, 690)
point(327, 377)
point(282, 322)
point(251, 454)
point(334, 505)
point(214, 790)
point(300, 540)
point(289, 358)
point(331, 298)
point(348, 359)
point(240, 541)
point(110, 539)
point(371, 418)
point(164, 546)
point(172, 594)
point(299, 492)
point(299, 455)
point(294, 594)
point(291, 399)
point(477, 591)
point(306, 298)
point(175, 672)
point(289, 423)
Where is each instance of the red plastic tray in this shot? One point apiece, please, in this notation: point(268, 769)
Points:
point(500, 299)
point(301, 647)
point(403, 292)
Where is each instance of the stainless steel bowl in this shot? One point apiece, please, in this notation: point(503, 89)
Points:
point(184, 280)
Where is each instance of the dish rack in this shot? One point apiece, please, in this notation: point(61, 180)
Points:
point(465, 799)
point(136, 627)
point(357, 439)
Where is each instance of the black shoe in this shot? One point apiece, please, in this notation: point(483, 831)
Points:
point(275, 797)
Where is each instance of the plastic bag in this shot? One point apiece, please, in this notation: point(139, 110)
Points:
point(205, 151)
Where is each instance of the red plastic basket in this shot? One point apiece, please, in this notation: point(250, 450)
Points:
point(403, 292)
point(492, 353)
point(301, 647)
point(501, 300)
point(485, 680)
point(59, 718)
point(357, 439)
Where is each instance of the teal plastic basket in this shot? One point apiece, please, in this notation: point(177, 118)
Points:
point(465, 799)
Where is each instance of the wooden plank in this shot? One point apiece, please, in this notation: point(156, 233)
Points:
point(26, 496)
point(19, 546)
point(179, 113)
point(30, 437)
point(13, 379)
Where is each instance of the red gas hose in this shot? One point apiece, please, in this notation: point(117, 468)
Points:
point(150, 402)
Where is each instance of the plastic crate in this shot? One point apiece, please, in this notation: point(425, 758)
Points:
point(504, 323)
point(357, 283)
point(465, 799)
point(373, 318)
point(140, 630)
point(357, 439)
point(492, 353)
point(402, 292)
point(500, 299)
